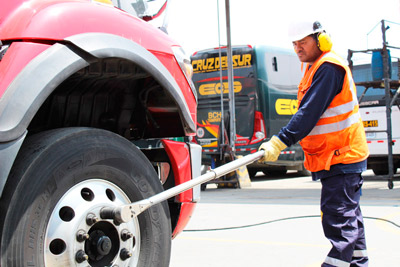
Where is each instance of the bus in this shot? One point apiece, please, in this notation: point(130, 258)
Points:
point(265, 89)
point(373, 114)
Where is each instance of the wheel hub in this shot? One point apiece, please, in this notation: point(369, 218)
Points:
point(101, 246)
point(77, 236)
point(104, 245)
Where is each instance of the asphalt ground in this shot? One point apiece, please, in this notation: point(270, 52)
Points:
point(276, 222)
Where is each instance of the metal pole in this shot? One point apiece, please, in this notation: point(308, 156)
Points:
point(222, 87)
point(230, 79)
point(386, 79)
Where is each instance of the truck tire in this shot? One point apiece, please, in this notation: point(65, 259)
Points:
point(51, 203)
point(275, 171)
point(252, 172)
point(383, 169)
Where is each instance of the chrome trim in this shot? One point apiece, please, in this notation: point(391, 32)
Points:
point(195, 158)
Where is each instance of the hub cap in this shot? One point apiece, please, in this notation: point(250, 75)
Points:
point(77, 236)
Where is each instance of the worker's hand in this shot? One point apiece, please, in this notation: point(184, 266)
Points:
point(272, 149)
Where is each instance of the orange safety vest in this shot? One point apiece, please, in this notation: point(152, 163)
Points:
point(339, 135)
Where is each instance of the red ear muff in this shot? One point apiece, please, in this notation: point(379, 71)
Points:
point(324, 42)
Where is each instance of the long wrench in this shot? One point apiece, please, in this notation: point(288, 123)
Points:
point(125, 213)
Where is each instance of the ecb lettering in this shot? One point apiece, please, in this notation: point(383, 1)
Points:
point(286, 106)
point(215, 88)
point(213, 63)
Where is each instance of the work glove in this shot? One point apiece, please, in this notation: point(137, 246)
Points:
point(272, 149)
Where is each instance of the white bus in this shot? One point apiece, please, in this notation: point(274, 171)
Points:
point(373, 114)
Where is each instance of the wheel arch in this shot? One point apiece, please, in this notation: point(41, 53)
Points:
point(42, 76)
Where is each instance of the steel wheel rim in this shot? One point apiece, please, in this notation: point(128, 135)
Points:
point(77, 236)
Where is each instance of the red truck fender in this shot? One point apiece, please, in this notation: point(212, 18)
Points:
point(30, 88)
point(25, 95)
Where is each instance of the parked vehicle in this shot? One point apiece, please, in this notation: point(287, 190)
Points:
point(265, 88)
point(83, 84)
point(373, 114)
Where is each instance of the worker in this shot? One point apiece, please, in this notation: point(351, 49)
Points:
point(329, 128)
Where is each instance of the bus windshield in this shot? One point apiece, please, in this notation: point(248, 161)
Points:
point(210, 82)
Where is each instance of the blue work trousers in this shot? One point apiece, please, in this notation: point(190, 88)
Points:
point(342, 220)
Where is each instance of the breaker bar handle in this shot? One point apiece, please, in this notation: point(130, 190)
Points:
point(125, 213)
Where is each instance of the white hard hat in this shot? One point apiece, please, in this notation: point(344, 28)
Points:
point(300, 29)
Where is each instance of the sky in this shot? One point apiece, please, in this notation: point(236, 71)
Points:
point(352, 24)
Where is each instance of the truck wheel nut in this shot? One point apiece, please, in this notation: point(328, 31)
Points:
point(125, 254)
point(91, 219)
point(81, 236)
point(125, 235)
point(81, 256)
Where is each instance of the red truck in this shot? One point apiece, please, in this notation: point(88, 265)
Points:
point(91, 99)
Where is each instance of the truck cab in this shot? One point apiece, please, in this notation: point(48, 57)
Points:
point(92, 101)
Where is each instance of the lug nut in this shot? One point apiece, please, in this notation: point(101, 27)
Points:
point(81, 256)
point(81, 236)
point(91, 219)
point(125, 235)
point(125, 254)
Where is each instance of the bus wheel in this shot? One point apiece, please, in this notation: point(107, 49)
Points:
point(275, 172)
point(382, 169)
point(390, 184)
point(252, 172)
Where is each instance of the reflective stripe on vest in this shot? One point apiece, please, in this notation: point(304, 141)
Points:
point(342, 109)
point(335, 127)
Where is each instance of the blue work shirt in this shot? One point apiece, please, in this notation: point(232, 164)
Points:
point(327, 83)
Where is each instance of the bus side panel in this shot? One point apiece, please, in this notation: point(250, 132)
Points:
point(269, 85)
point(279, 74)
point(373, 114)
point(374, 119)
